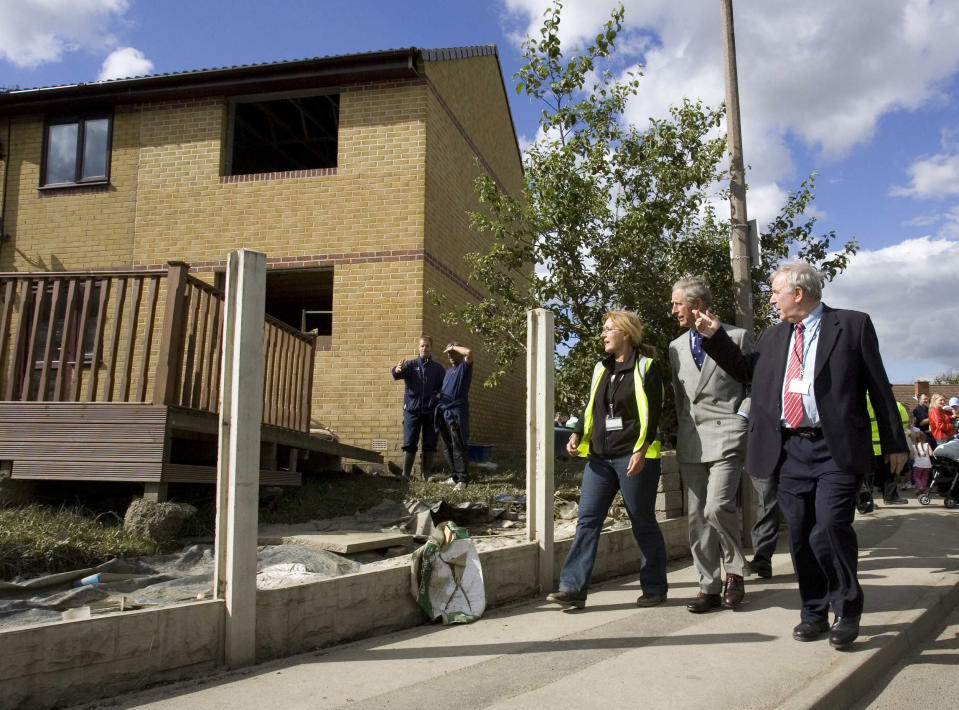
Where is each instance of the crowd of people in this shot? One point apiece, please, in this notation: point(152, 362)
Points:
point(789, 409)
point(806, 411)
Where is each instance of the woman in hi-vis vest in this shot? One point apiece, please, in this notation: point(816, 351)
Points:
point(617, 434)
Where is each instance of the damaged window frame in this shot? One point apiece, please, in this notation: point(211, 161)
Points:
point(292, 160)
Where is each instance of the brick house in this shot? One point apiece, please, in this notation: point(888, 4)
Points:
point(352, 173)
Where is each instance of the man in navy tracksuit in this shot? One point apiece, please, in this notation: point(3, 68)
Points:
point(424, 378)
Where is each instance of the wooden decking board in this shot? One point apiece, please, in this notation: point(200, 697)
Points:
point(91, 451)
point(186, 473)
point(136, 472)
point(128, 442)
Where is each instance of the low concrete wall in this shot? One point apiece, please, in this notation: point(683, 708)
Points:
point(53, 664)
point(310, 616)
point(68, 662)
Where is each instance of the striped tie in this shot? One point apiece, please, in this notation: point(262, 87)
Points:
point(792, 401)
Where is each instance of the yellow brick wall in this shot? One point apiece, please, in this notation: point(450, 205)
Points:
point(78, 228)
point(474, 92)
point(471, 102)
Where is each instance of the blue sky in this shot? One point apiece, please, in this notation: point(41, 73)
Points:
point(865, 92)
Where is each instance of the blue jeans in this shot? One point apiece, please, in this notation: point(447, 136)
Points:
point(413, 424)
point(601, 480)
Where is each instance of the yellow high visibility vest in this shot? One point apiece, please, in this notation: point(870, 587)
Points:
point(642, 405)
point(903, 415)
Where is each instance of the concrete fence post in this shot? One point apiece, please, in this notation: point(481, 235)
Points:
point(238, 470)
point(540, 372)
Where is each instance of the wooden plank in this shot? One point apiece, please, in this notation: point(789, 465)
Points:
point(105, 287)
point(286, 388)
point(73, 387)
point(83, 412)
point(6, 317)
point(87, 471)
point(307, 393)
point(39, 299)
point(133, 321)
point(171, 335)
point(213, 388)
point(17, 352)
point(200, 369)
point(66, 339)
point(47, 361)
point(185, 473)
point(295, 398)
point(189, 371)
point(113, 351)
point(143, 379)
point(104, 452)
point(269, 370)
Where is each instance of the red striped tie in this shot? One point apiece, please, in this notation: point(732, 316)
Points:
point(792, 401)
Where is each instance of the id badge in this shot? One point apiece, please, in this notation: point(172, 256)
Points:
point(797, 386)
point(614, 423)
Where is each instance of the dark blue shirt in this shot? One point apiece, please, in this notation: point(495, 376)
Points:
point(454, 396)
point(423, 378)
point(456, 383)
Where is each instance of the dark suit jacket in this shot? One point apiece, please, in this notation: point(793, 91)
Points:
point(848, 364)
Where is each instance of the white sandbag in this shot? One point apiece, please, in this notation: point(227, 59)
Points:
point(446, 578)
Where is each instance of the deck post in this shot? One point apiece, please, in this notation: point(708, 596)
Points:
point(156, 492)
point(171, 337)
point(539, 438)
point(238, 474)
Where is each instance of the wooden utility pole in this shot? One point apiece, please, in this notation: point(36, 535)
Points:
point(739, 232)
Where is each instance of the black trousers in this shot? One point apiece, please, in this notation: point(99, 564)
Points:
point(819, 503)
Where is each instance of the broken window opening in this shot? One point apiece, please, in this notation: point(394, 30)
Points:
point(282, 135)
point(303, 299)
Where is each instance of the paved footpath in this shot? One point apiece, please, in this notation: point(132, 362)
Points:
point(613, 654)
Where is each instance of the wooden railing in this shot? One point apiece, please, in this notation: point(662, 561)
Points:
point(95, 337)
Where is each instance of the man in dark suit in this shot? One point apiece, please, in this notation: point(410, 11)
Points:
point(809, 427)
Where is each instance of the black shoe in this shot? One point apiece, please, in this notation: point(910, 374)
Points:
point(734, 591)
point(567, 599)
point(650, 599)
point(704, 602)
point(810, 630)
point(763, 568)
point(844, 631)
point(896, 501)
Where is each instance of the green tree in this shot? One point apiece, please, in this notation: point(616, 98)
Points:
point(950, 377)
point(610, 216)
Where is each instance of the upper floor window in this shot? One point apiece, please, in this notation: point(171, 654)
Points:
point(283, 134)
point(77, 150)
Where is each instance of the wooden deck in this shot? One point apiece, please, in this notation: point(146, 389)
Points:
point(94, 386)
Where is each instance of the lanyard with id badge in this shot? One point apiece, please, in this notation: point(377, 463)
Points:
point(613, 423)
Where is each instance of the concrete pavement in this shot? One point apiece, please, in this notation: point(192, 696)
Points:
point(530, 655)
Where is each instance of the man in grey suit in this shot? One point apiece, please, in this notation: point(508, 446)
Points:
point(712, 410)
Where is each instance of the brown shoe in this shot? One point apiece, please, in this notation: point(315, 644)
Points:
point(703, 603)
point(734, 592)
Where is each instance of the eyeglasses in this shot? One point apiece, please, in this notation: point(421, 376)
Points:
point(605, 331)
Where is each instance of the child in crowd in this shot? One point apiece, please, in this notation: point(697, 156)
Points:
point(922, 465)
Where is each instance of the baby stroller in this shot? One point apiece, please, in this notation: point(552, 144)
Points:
point(945, 474)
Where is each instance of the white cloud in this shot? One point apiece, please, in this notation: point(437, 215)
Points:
point(34, 32)
point(124, 62)
point(819, 73)
point(896, 285)
point(937, 176)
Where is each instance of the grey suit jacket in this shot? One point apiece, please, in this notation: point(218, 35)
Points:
point(707, 402)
